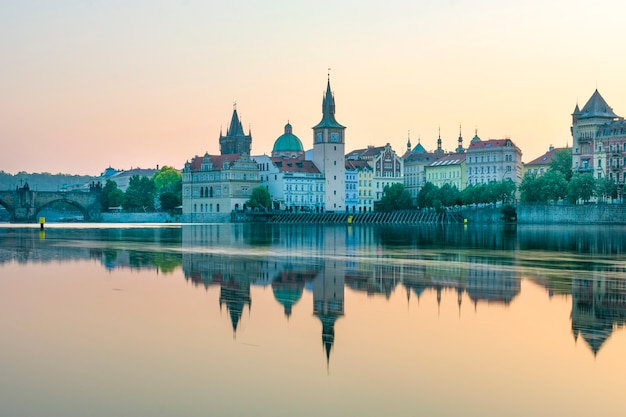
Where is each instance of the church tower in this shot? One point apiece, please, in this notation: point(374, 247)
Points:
point(329, 154)
point(235, 141)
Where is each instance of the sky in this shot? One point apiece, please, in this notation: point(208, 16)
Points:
point(85, 85)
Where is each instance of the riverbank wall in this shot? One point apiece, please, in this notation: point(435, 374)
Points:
point(526, 214)
point(572, 214)
point(165, 218)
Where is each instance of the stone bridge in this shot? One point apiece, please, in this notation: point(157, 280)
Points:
point(24, 204)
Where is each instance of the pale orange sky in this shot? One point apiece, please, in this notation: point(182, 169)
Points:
point(87, 85)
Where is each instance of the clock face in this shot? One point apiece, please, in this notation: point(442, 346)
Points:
point(334, 137)
point(319, 137)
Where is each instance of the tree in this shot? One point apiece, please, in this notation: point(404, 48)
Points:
point(504, 190)
point(426, 195)
point(529, 189)
point(166, 179)
point(139, 194)
point(606, 188)
point(395, 197)
point(562, 162)
point(448, 195)
point(169, 200)
point(260, 198)
point(111, 195)
point(581, 187)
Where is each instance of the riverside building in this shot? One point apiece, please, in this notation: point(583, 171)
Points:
point(294, 183)
point(599, 141)
point(217, 184)
point(493, 160)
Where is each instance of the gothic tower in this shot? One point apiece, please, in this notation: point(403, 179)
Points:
point(329, 154)
point(235, 141)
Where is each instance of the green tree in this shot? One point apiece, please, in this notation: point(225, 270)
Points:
point(166, 179)
point(395, 197)
point(111, 195)
point(260, 198)
point(581, 187)
point(468, 195)
point(427, 195)
point(503, 190)
point(530, 190)
point(562, 162)
point(139, 196)
point(553, 186)
point(606, 188)
point(169, 200)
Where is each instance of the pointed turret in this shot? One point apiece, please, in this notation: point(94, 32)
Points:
point(575, 114)
point(439, 149)
point(597, 107)
point(235, 141)
point(459, 148)
point(328, 110)
point(419, 148)
point(408, 142)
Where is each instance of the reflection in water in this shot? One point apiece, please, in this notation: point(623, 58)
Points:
point(483, 265)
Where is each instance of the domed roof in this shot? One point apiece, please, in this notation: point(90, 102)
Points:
point(287, 295)
point(475, 138)
point(288, 142)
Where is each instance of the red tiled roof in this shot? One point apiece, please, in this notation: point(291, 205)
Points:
point(491, 143)
point(545, 158)
point(357, 164)
point(295, 165)
point(216, 160)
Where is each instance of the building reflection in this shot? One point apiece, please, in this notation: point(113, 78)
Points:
point(480, 266)
point(598, 306)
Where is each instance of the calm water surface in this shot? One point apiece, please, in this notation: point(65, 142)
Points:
point(262, 320)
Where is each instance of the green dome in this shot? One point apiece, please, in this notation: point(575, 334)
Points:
point(288, 142)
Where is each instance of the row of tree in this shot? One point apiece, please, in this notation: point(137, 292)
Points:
point(560, 183)
point(161, 192)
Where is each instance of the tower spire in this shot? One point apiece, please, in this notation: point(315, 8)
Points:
point(439, 150)
point(459, 148)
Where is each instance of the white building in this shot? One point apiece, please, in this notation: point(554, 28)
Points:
point(328, 154)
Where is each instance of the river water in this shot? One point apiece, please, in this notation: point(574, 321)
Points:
point(310, 320)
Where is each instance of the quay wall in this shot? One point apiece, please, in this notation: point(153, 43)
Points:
point(572, 214)
point(526, 214)
point(165, 218)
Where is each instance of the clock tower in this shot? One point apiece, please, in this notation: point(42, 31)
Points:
point(329, 154)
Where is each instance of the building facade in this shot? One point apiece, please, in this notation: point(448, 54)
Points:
point(388, 170)
point(215, 184)
point(294, 184)
point(493, 160)
point(415, 162)
point(352, 197)
point(599, 141)
point(449, 169)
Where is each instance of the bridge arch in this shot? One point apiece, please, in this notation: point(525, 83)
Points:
point(8, 208)
point(78, 206)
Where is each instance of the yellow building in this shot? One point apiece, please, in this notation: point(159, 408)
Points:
point(449, 169)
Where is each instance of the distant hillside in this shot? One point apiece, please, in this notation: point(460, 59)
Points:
point(45, 181)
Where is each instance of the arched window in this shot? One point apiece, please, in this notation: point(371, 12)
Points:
point(211, 192)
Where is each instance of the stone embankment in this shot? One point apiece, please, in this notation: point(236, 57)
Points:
point(396, 217)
